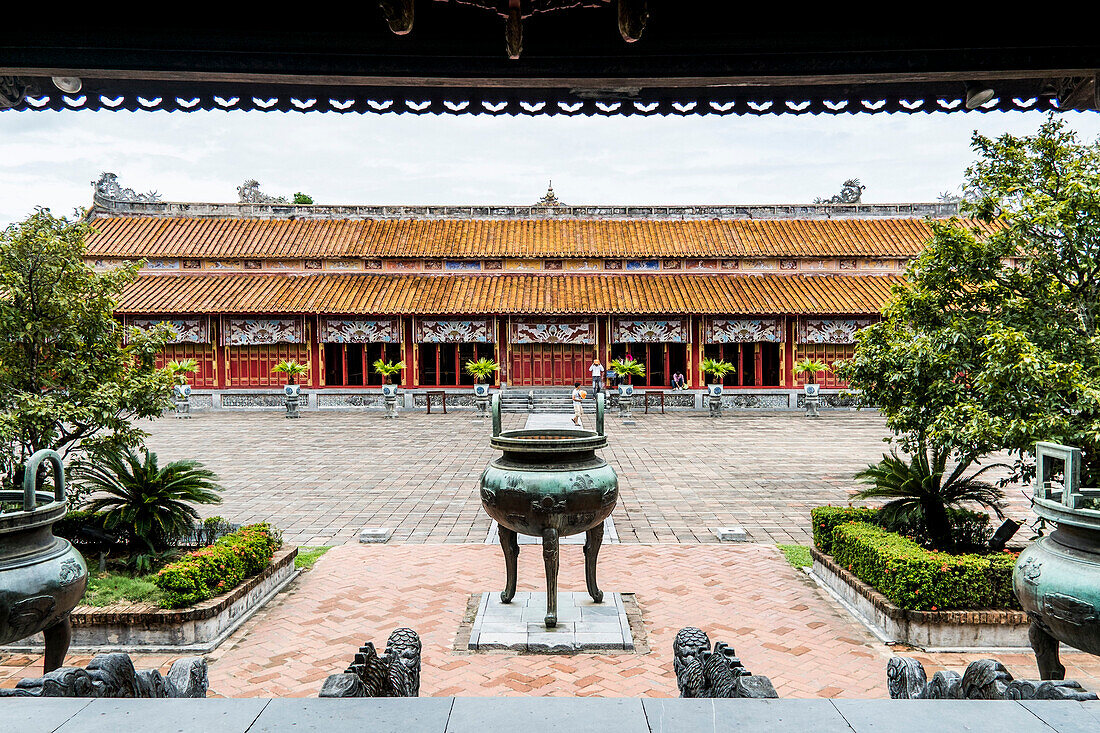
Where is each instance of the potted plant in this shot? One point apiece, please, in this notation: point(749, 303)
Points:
point(292, 369)
point(809, 368)
point(717, 369)
point(389, 370)
point(626, 369)
point(181, 390)
point(482, 371)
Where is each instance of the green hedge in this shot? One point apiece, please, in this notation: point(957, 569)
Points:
point(828, 518)
point(970, 529)
point(218, 568)
point(919, 579)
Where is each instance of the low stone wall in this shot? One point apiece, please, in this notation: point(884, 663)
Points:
point(143, 627)
point(925, 629)
point(461, 398)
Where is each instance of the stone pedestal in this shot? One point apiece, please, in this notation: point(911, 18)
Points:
point(482, 404)
point(391, 406)
point(292, 406)
point(626, 412)
point(183, 407)
point(811, 406)
point(583, 625)
point(715, 406)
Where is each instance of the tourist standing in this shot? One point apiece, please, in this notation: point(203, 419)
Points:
point(597, 370)
point(578, 404)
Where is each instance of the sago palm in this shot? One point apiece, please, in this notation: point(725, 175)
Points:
point(151, 503)
point(918, 491)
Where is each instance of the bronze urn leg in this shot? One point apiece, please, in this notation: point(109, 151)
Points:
point(510, 545)
point(592, 540)
point(57, 639)
point(1045, 647)
point(550, 559)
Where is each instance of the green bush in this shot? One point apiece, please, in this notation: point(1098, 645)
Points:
point(827, 518)
point(919, 579)
point(218, 568)
point(970, 529)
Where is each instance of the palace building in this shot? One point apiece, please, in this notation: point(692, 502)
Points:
point(541, 289)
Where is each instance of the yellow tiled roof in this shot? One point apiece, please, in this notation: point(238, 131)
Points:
point(354, 294)
point(150, 236)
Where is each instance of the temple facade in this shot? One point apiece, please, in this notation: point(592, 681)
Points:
point(540, 289)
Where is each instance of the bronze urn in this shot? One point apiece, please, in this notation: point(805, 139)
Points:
point(549, 483)
point(42, 577)
point(1057, 577)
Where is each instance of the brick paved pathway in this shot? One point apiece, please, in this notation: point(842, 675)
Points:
point(325, 476)
point(779, 622)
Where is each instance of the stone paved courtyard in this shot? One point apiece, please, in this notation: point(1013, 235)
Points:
point(779, 622)
point(325, 476)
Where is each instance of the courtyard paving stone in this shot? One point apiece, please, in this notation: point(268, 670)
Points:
point(682, 475)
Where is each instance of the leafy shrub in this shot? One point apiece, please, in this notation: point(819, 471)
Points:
point(218, 568)
point(827, 518)
point(147, 502)
point(919, 579)
point(970, 529)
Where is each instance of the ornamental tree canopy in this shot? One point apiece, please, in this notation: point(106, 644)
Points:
point(991, 343)
point(67, 380)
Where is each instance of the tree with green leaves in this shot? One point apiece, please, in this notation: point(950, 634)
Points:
point(152, 504)
point(68, 379)
point(991, 342)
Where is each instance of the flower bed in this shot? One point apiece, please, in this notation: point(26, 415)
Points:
point(910, 576)
point(219, 567)
point(914, 578)
point(914, 595)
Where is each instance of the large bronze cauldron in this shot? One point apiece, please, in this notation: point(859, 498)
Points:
point(1057, 578)
point(42, 577)
point(549, 484)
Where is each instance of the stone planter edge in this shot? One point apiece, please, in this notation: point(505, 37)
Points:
point(201, 628)
point(930, 630)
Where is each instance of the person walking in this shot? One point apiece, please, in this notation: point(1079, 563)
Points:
point(578, 404)
point(597, 371)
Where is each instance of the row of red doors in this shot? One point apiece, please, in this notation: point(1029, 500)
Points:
point(549, 365)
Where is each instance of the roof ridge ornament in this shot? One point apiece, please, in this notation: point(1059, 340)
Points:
point(249, 193)
point(550, 199)
point(108, 187)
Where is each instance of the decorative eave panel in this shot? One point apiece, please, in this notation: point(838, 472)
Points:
point(359, 331)
point(743, 330)
point(453, 331)
point(651, 331)
point(188, 330)
point(263, 331)
point(830, 330)
point(553, 331)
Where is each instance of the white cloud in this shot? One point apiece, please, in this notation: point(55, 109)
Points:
point(49, 158)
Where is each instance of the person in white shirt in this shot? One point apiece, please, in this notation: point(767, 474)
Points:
point(578, 404)
point(597, 371)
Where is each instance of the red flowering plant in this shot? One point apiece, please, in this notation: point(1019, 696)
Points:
point(219, 567)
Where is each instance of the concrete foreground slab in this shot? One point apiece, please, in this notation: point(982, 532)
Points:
point(554, 715)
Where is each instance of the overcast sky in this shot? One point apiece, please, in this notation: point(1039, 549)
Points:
point(49, 158)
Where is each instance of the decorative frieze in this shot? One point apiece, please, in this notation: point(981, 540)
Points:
point(161, 264)
point(743, 330)
point(553, 331)
point(453, 331)
point(461, 265)
point(260, 331)
point(830, 330)
point(188, 330)
point(359, 331)
point(642, 265)
point(651, 331)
